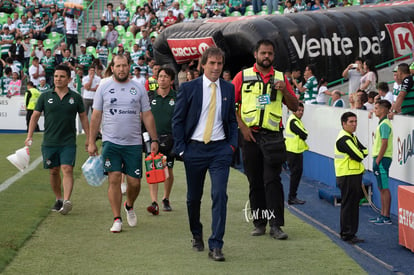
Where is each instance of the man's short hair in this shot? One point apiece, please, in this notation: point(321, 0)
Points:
point(8, 70)
point(168, 71)
point(265, 42)
point(372, 94)
point(384, 103)
point(346, 115)
point(62, 67)
point(30, 83)
point(300, 104)
point(383, 86)
point(404, 68)
point(209, 52)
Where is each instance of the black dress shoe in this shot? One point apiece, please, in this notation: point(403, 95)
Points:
point(216, 255)
point(198, 244)
point(296, 201)
point(354, 240)
point(277, 233)
point(258, 231)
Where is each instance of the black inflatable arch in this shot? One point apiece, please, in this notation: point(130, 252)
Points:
point(330, 39)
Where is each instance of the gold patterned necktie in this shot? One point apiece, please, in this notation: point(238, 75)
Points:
point(211, 114)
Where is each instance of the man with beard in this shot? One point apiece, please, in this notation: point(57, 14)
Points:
point(119, 99)
point(260, 92)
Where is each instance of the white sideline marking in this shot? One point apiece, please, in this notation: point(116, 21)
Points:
point(19, 175)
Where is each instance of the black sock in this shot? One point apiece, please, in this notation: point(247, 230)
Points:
point(116, 218)
point(128, 207)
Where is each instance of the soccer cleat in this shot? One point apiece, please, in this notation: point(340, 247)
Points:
point(58, 205)
point(166, 205)
point(117, 226)
point(153, 208)
point(131, 217)
point(66, 207)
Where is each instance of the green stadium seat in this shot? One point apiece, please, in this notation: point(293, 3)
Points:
point(121, 30)
point(235, 13)
point(103, 30)
point(48, 43)
point(3, 17)
point(33, 41)
point(249, 13)
point(92, 50)
point(249, 8)
point(129, 36)
point(264, 8)
point(262, 13)
point(54, 36)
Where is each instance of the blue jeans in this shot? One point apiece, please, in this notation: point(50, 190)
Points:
point(272, 5)
point(257, 5)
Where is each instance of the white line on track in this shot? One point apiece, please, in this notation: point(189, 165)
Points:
point(19, 175)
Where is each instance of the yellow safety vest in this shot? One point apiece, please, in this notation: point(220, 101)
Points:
point(33, 99)
point(252, 87)
point(377, 141)
point(293, 142)
point(344, 165)
point(152, 84)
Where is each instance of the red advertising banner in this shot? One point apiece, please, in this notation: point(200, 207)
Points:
point(402, 37)
point(406, 216)
point(186, 49)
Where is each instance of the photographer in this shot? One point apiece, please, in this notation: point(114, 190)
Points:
point(263, 146)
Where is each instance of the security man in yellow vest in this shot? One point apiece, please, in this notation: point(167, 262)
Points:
point(152, 83)
point(31, 96)
point(349, 153)
point(260, 92)
point(295, 134)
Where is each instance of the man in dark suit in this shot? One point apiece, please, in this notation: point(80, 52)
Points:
point(205, 135)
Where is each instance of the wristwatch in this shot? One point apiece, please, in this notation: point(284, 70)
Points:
point(155, 140)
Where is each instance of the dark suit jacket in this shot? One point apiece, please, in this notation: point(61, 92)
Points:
point(188, 109)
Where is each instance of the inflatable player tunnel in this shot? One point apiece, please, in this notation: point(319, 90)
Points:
point(330, 39)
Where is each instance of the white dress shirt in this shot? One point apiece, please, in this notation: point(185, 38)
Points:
point(218, 131)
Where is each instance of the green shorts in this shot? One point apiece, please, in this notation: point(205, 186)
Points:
point(55, 156)
point(123, 158)
point(381, 172)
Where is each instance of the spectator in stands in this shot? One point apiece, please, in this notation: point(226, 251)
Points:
point(93, 37)
point(207, 10)
point(27, 50)
point(111, 36)
point(14, 85)
point(29, 5)
point(221, 7)
point(90, 84)
point(369, 80)
point(16, 50)
point(43, 85)
point(289, 7)
point(353, 72)
point(300, 6)
point(196, 6)
point(162, 12)
point(58, 23)
point(154, 23)
point(47, 23)
point(7, 6)
point(370, 100)
point(6, 40)
point(227, 75)
point(237, 5)
point(24, 28)
point(144, 67)
point(68, 60)
point(46, 5)
point(405, 99)
point(272, 6)
point(138, 77)
point(71, 26)
point(84, 59)
point(145, 40)
point(39, 29)
point(5, 80)
point(170, 19)
point(257, 5)
point(122, 16)
point(310, 89)
point(317, 6)
point(109, 15)
point(397, 83)
point(337, 100)
point(176, 9)
point(49, 63)
point(323, 92)
point(384, 92)
point(38, 50)
point(59, 52)
point(147, 11)
point(60, 6)
point(138, 21)
point(103, 52)
point(10, 25)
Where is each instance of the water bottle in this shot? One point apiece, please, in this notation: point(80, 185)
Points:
point(147, 142)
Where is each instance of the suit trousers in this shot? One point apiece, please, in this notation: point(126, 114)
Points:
point(214, 157)
point(263, 164)
point(295, 162)
point(351, 193)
